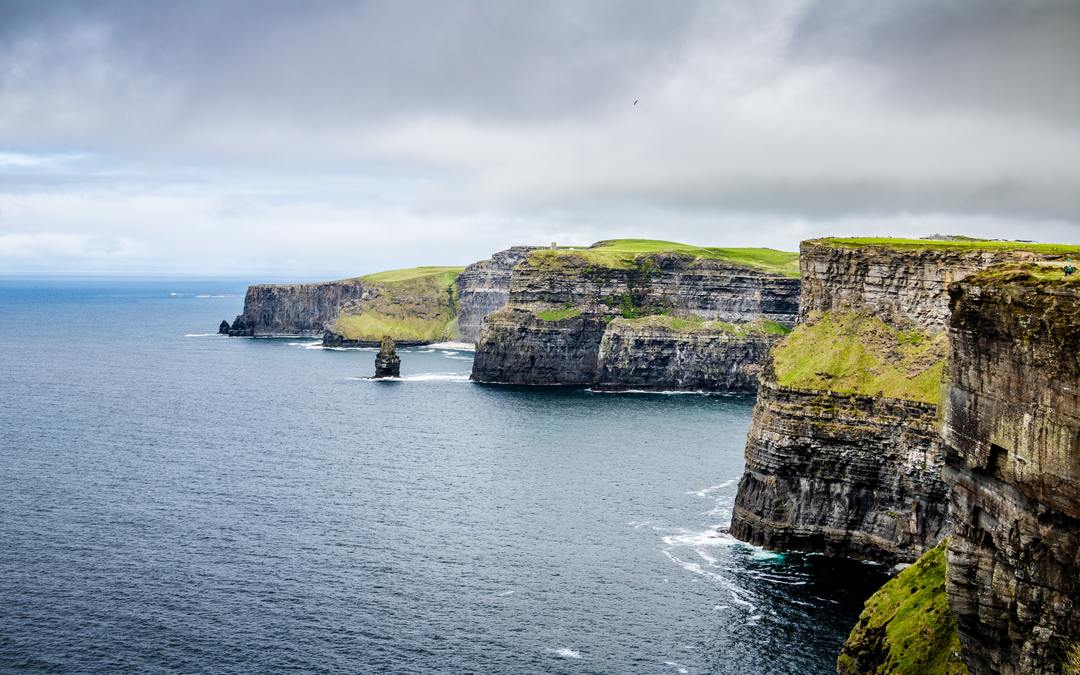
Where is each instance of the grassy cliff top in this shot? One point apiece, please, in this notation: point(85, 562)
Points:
point(949, 244)
point(906, 627)
point(860, 354)
point(408, 304)
point(438, 275)
point(693, 323)
point(1038, 275)
point(622, 253)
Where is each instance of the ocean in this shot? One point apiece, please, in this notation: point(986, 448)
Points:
point(174, 500)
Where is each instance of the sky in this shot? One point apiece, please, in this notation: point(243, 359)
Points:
point(323, 139)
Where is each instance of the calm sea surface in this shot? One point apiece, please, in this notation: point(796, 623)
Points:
point(173, 500)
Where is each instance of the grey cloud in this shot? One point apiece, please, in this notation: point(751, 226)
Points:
point(772, 120)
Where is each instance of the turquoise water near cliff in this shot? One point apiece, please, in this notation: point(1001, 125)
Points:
point(175, 500)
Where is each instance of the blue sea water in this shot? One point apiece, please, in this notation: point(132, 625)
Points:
point(177, 501)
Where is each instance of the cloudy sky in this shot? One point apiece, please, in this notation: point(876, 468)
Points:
point(332, 138)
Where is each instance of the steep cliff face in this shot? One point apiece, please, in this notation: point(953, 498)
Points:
point(1012, 432)
point(638, 314)
point(842, 455)
point(900, 281)
point(484, 287)
point(841, 474)
point(664, 353)
point(519, 347)
point(294, 309)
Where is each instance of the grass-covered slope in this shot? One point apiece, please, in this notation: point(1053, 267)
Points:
point(860, 354)
point(415, 304)
point(623, 254)
point(906, 627)
point(964, 244)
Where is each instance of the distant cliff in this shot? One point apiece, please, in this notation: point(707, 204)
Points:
point(293, 309)
point(484, 287)
point(842, 456)
point(1012, 433)
point(639, 314)
point(412, 306)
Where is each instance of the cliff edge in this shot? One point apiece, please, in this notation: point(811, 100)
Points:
point(1012, 433)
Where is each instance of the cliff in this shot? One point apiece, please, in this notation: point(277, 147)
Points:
point(842, 456)
point(293, 309)
point(906, 627)
point(411, 306)
point(484, 287)
point(639, 314)
point(1012, 433)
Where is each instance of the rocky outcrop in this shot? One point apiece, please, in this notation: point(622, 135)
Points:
point(272, 310)
point(223, 328)
point(842, 455)
point(664, 319)
point(1012, 433)
point(906, 627)
point(484, 287)
point(387, 362)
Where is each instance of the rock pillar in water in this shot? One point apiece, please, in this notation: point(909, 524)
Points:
point(387, 362)
point(223, 328)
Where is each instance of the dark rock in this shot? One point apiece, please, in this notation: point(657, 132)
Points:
point(1012, 438)
point(387, 362)
point(223, 328)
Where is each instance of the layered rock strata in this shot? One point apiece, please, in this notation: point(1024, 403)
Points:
point(842, 455)
point(1012, 433)
point(484, 287)
point(272, 310)
point(654, 355)
point(841, 474)
point(656, 320)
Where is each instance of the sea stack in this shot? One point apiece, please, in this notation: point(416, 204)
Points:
point(223, 328)
point(387, 362)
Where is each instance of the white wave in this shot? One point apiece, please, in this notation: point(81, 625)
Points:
point(504, 594)
point(425, 351)
point(201, 334)
point(306, 345)
point(437, 377)
point(204, 295)
point(177, 295)
point(565, 653)
point(710, 537)
point(679, 668)
point(456, 346)
point(348, 349)
point(705, 491)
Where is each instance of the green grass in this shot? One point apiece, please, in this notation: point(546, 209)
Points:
point(558, 314)
point(859, 354)
point(623, 254)
point(693, 323)
point(906, 627)
point(1040, 275)
point(944, 244)
point(372, 326)
point(409, 304)
point(445, 275)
